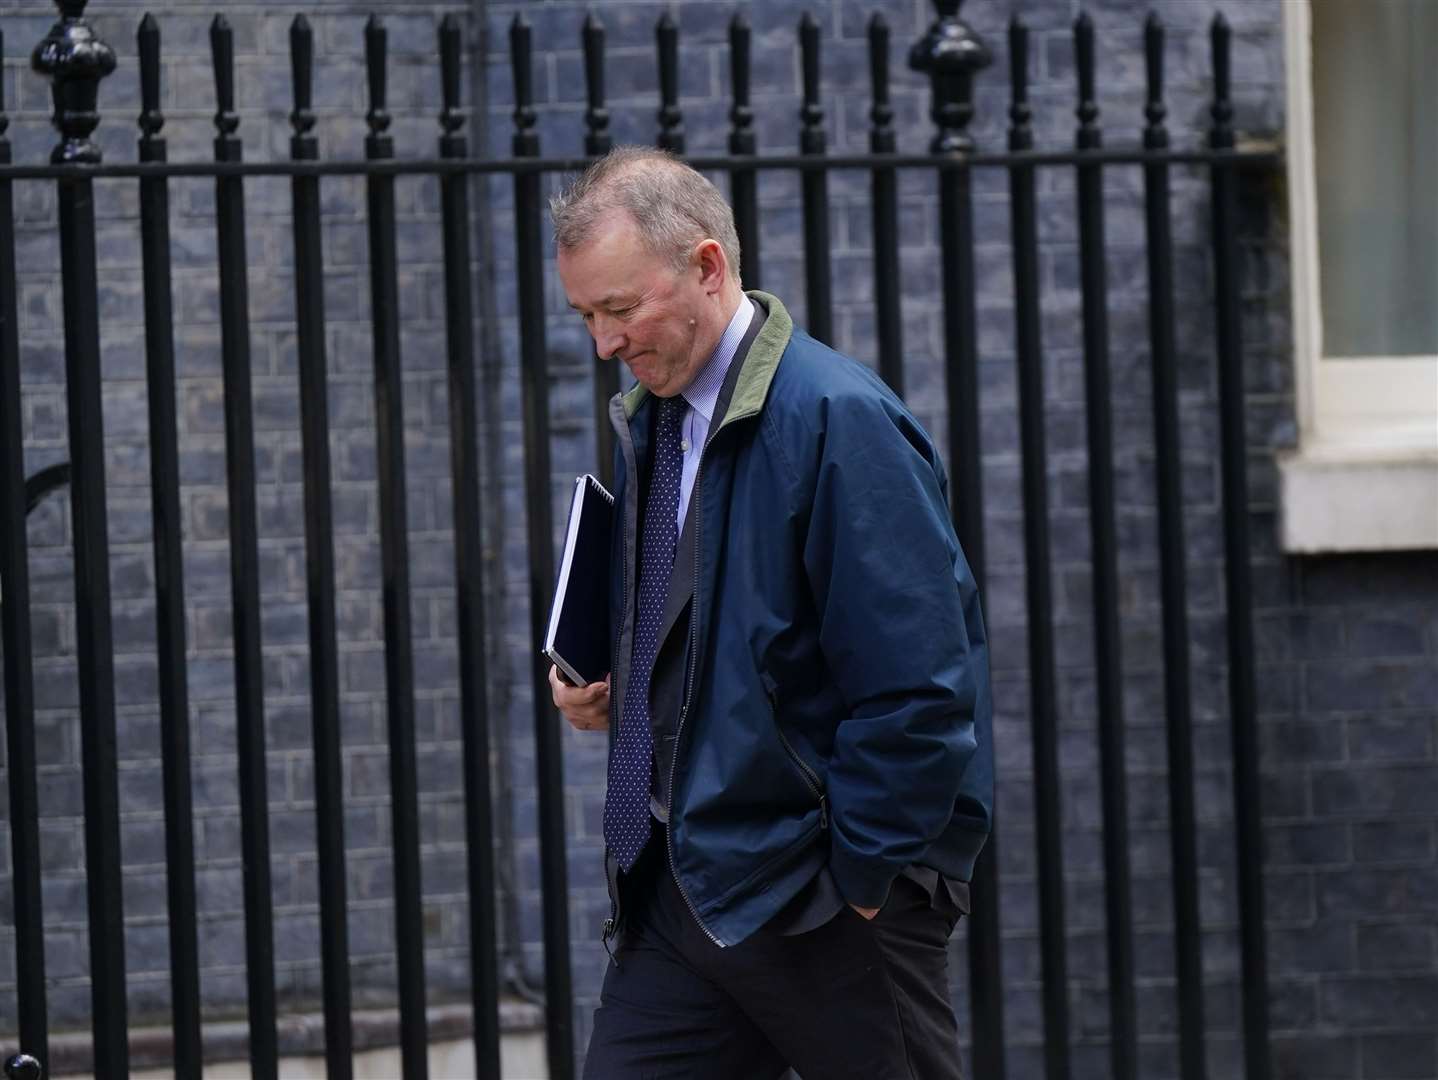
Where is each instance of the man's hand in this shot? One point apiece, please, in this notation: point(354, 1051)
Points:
point(865, 912)
point(585, 707)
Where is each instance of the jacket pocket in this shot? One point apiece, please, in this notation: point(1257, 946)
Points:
point(803, 768)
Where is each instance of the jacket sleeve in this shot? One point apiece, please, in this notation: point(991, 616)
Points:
point(900, 632)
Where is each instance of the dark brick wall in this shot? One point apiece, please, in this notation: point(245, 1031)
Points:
point(1347, 647)
point(1350, 648)
point(263, 89)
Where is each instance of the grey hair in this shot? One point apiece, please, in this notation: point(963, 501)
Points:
point(673, 205)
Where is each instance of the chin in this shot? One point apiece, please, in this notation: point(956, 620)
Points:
point(662, 387)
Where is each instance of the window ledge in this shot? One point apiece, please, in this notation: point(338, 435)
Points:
point(1345, 496)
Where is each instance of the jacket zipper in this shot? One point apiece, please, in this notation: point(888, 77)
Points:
point(810, 776)
point(614, 711)
point(611, 924)
point(692, 674)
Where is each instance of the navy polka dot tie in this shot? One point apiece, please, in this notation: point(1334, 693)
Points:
point(626, 805)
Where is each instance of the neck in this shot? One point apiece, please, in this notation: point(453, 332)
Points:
point(714, 321)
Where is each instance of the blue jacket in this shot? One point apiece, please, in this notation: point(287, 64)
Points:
point(837, 709)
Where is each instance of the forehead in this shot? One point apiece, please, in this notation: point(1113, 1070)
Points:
point(613, 259)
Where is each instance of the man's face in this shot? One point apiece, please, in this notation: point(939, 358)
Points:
point(635, 306)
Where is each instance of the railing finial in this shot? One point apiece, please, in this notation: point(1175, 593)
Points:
point(451, 60)
point(742, 139)
point(521, 63)
point(1021, 132)
point(4, 120)
point(75, 61)
point(147, 38)
point(597, 140)
point(950, 54)
point(376, 57)
point(671, 119)
point(302, 75)
point(881, 112)
point(1089, 135)
point(812, 138)
point(1155, 135)
point(1221, 137)
point(222, 54)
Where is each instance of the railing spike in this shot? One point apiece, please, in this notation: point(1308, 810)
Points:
point(1087, 112)
point(596, 117)
point(1021, 135)
point(451, 53)
point(881, 114)
point(222, 55)
point(818, 280)
point(1155, 135)
point(1221, 40)
point(376, 57)
point(743, 183)
point(811, 135)
point(4, 120)
point(302, 70)
point(147, 39)
point(671, 120)
point(521, 57)
point(741, 37)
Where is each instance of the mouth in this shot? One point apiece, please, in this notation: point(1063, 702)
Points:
point(645, 368)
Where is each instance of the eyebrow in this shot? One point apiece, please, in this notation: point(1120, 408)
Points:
point(607, 301)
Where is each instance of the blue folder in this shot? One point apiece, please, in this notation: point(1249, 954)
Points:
point(577, 640)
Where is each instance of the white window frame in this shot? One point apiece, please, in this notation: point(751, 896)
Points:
point(1365, 474)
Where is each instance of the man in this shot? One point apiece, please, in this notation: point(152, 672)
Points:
point(800, 771)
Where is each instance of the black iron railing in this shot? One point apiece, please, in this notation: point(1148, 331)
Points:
point(952, 55)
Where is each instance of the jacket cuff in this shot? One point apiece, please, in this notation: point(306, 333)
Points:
point(864, 883)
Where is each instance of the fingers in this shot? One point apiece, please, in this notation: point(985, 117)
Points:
point(585, 707)
point(566, 694)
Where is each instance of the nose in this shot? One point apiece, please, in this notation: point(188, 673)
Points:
point(609, 337)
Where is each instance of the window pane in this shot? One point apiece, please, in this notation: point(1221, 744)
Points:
point(1375, 118)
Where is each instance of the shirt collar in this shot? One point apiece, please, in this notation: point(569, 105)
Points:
point(702, 393)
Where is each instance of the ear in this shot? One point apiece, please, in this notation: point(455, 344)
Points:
point(713, 265)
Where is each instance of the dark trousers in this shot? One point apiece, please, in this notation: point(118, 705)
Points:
point(853, 998)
